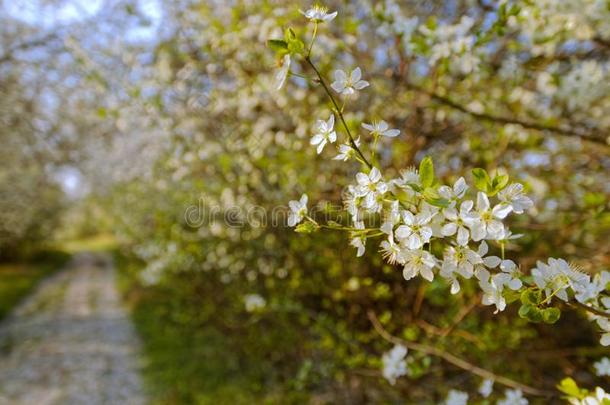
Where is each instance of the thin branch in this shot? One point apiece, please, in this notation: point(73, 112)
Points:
point(27, 45)
point(570, 132)
point(456, 361)
point(339, 112)
point(593, 310)
point(602, 42)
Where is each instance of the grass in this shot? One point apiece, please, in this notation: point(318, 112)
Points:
point(195, 354)
point(96, 243)
point(17, 280)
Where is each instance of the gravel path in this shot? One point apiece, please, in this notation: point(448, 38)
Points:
point(71, 342)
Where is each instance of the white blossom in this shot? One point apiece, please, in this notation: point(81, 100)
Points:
point(486, 388)
point(461, 260)
point(346, 151)
point(492, 293)
point(381, 128)
point(358, 241)
point(602, 367)
point(513, 397)
point(371, 187)
point(420, 262)
point(488, 223)
point(599, 397)
point(282, 73)
point(457, 192)
point(298, 210)
point(325, 133)
point(254, 302)
point(391, 251)
point(455, 397)
point(347, 85)
point(555, 277)
point(394, 364)
point(459, 221)
point(510, 275)
point(513, 197)
point(415, 231)
point(319, 14)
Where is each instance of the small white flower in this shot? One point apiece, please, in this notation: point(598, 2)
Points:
point(298, 210)
point(415, 232)
point(455, 397)
point(488, 224)
point(511, 272)
point(507, 235)
point(381, 128)
point(457, 192)
point(394, 364)
point(604, 324)
point(346, 151)
point(325, 133)
point(461, 260)
point(486, 388)
point(600, 397)
point(254, 302)
point(458, 222)
point(372, 188)
point(409, 178)
point(513, 197)
point(418, 262)
point(282, 73)
point(392, 217)
point(358, 241)
point(391, 251)
point(492, 292)
point(348, 85)
point(513, 397)
point(319, 14)
point(602, 367)
point(556, 276)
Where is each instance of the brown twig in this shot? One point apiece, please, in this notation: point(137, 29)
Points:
point(595, 311)
point(564, 131)
point(456, 361)
point(338, 110)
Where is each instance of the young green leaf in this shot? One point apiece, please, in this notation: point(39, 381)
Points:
point(426, 172)
point(551, 315)
point(481, 179)
point(277, 45)
point(569, 387)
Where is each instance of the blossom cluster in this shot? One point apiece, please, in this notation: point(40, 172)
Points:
point(434, 230)
point(412, 222)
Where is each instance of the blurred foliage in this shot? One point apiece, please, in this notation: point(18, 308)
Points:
point(17, 279)
point(187, 117)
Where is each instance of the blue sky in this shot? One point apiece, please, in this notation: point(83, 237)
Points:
point(49, 16)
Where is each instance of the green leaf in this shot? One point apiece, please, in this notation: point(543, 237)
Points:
point(499, 182)
point(531, 313)
point(531, 297)
point(289, 35)
point(481, 179)
point(293, 44)
point(426, 172)
point(511, 296)
point(277, 45)
point(569, 387)
point(551, 315)
point(524, 310)
point(432, 197)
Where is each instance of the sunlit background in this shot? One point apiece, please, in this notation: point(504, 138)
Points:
point(121, 118)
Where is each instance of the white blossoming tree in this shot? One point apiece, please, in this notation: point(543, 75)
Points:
point(445, 163)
